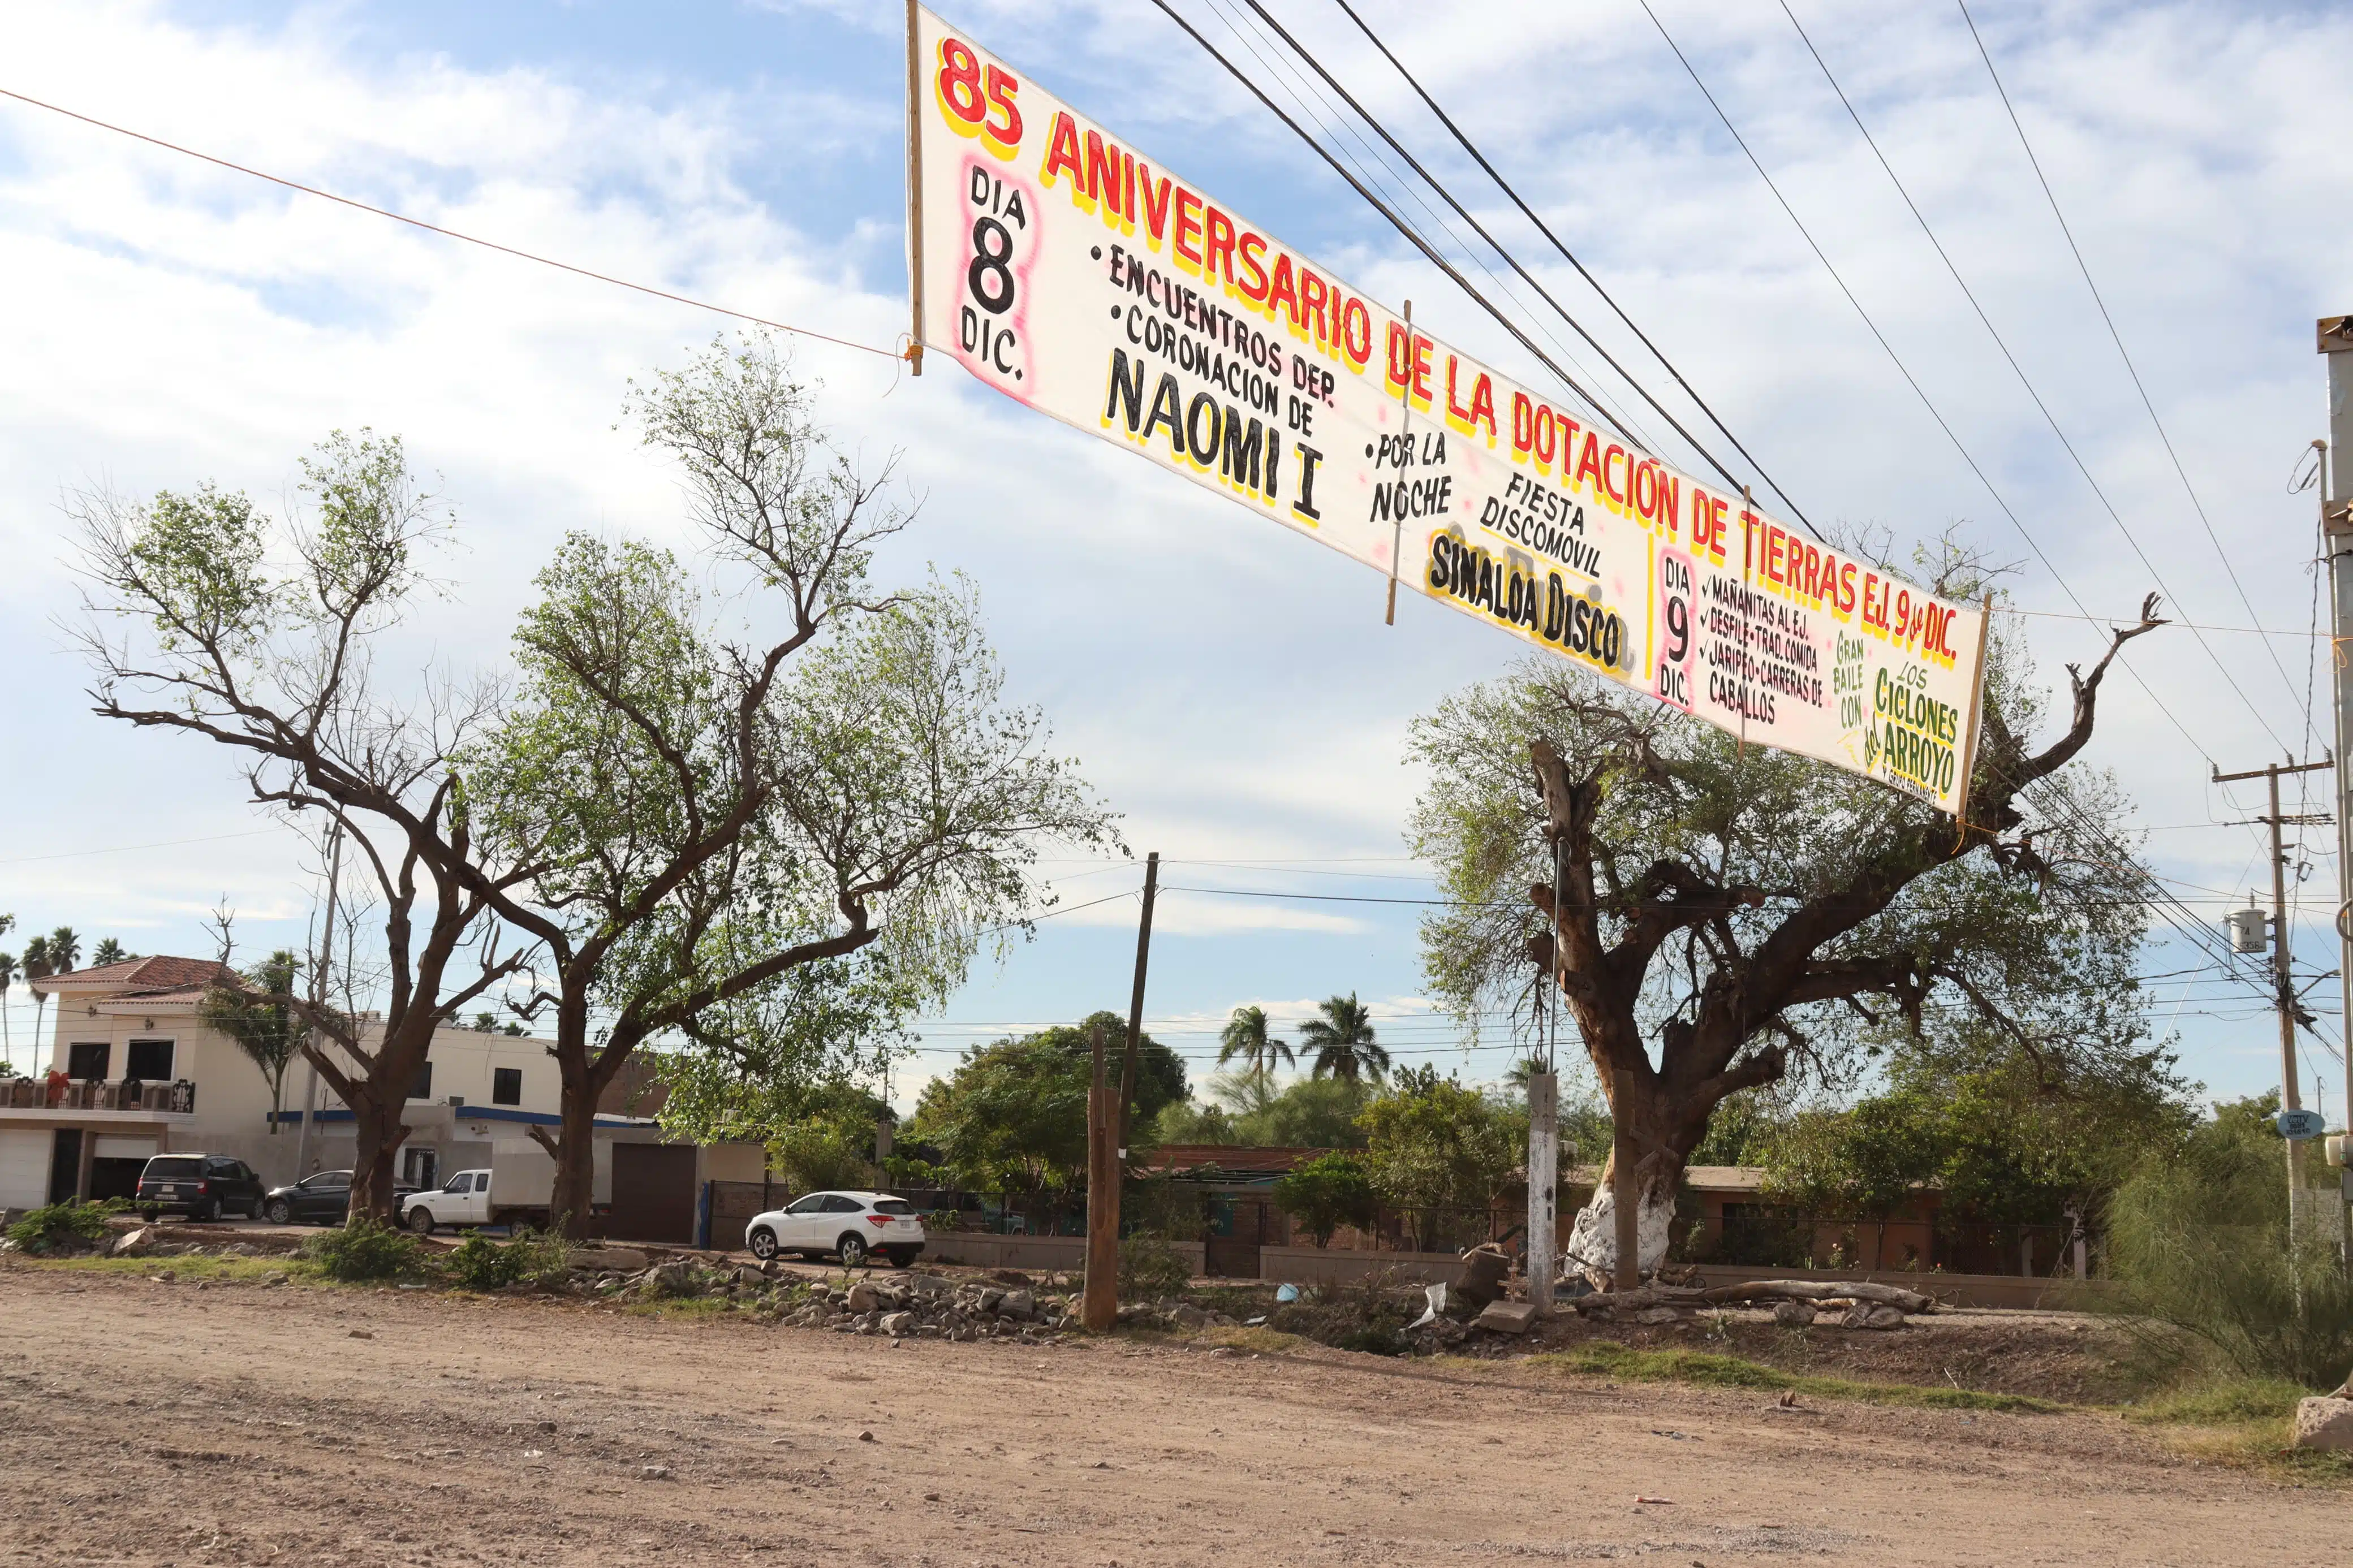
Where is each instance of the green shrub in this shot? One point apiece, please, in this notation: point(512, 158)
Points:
point(2197, 1242)
point(478, 1263)
point(68, 1226)
point(1150, 1268)
point(364, 1250)
point(1327, 1193)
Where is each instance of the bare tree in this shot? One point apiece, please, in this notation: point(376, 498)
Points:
point(202, 616)
point(1755, 915)
point(705, 814)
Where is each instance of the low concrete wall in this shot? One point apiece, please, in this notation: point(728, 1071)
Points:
point(1068, 1253)
point(1338, 1266)
point(2010, 1290)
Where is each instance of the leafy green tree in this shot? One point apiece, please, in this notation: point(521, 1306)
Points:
point(1309, 1114)
point(1434, 1143)
point(1734, 916)
point(1248, 1036)
point(1014, 1114)
point(262, 1021)
point(1184, 1121)
point(109, 950)
point(1327, 1193)
point(203, 617)
point(1340, 1038)
point(704, 808)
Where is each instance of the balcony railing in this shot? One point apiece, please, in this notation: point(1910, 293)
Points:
point(178, 1095)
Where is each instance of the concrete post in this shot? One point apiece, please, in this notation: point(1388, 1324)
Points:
point(1544, 1183)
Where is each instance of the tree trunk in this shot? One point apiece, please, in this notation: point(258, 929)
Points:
point(1663, 1138)
point(380, 1134)
point(573, 1198)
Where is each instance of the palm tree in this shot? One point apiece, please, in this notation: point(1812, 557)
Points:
point(1246, 1037)
point(35, 965)
point(65, 950)
point(108, 951)
point(9, 974)
point(1342, 1041)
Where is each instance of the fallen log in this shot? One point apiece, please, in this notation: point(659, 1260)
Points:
point(1823, 1290)
point(1813, 1290)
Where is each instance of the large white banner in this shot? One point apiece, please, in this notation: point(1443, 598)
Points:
point(1078, 275)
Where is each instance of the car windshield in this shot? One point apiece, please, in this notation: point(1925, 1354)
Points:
point(893, 1205)
point(172, 1168)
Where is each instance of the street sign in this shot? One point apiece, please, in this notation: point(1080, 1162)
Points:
point(2300, 1124)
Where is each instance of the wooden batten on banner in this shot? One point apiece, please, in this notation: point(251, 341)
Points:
point(914, 192)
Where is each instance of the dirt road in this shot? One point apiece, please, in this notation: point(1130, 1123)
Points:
point(154, 1423)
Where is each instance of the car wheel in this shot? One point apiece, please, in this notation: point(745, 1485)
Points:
point(421, 1220)
point(901, 1257)
point(150, 1216)
point(212, 1212)
point(852, 1250)
point(278, 1212)
point(764, 1243)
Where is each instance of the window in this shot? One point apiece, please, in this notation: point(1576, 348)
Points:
point(812, 1204)
point(423, 1088)
point(463, 1182)
point(87, 1060)
point(506, 1086)
point(417, 1168)
point(327, 1179)
point(150, 1061)
point(481, 1181)
point(836, 1204)
point(172, 1168)
point(894, 1205)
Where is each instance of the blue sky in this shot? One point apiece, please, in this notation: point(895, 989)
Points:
point(1229, 688)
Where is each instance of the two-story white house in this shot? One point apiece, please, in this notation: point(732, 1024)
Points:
point(134, 1072)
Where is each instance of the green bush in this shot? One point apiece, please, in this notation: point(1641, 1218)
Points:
point(2197, 1241)
point(1150, 1268)
point(478, 1263)
point(364, 1250)
point(68, 1226)
point(1327, 1193)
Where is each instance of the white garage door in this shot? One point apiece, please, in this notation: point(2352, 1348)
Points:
point(24, 1166)
point(124, 1149)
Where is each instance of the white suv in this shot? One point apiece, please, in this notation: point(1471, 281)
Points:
point(852, 1225)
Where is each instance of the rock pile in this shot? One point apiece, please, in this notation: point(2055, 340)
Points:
point(924, 1306)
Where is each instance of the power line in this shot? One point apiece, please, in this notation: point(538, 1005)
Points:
point(1906, 371)
point(1412, 234)
point(2019, 371)
point(450, 233)
point(1545, 229)
point(1281, 67)
point(1514, 263)
point(2117, 337)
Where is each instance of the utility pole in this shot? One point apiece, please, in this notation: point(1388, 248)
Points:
point(318, 960)
point(1099, 1305)
point(1136, 1004)
point(2335, 341)
point(2283, 982)
point(1544, 1127)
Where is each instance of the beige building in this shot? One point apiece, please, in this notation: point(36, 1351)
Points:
point(134, 1072)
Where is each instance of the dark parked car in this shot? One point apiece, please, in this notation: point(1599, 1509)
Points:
point(322, 1199)
point(202, 1186)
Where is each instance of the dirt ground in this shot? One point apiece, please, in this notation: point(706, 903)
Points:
point(151, 1424)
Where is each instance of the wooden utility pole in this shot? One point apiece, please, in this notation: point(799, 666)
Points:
point(1099, 1308)
point(2283, 979)
point(1129, 1069)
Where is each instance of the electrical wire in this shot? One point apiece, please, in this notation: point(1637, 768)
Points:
point(450, 233)
point(1906, 371)
point(1412, 234)
point(2114, 335)
point(1566, 255)
point(1515, 264)
point(2023, 380)
point(1281, 67)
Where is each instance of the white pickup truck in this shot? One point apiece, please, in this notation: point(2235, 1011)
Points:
point(513, 1189)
